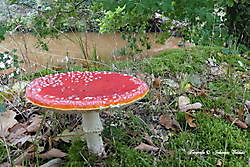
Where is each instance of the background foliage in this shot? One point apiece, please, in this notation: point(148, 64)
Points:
point(213, 23)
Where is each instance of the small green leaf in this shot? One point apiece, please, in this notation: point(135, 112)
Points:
point(194, 79)
point(230, 3)
point(3, 108)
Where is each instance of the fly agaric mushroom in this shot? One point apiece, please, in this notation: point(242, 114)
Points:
point(87, 93)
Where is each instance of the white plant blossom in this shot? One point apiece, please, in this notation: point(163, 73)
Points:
point(5, 56)
point(220, 12)
point(197, 18)
point(18, 71)
point(203, 24)
point(11, 75)
point(9, 62)
point(2, 65)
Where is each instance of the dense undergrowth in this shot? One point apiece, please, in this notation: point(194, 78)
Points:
point(204, 74)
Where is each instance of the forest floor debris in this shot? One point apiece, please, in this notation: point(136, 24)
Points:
point(191, 108)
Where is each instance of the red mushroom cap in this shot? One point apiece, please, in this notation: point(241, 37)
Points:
point(85, 90)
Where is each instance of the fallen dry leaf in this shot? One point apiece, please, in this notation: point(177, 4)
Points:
point(20, 132)
point(7, 120)
point(202, 94)
point(53, 163)
point(247, 119)
point(85, 64)
point(241, 113)
point(169, 123)
point(148, 139)
point(219, 162)
point(35, 124)
point(170, 153)
point(217, 112)
point(57, 68)
point(190, 120)
point(241, 124)
point(5, 164)
point(237, 122)
point(166, 121)
point(247, 103)
point(22, 139)
point(146, 147)
point(220, 113)
point(183, 101)
point(27, 155)
point(229, 118)
point(193, 106)
point(175, 125)
point(157, 83)
point(53, 153)
point(17, 133)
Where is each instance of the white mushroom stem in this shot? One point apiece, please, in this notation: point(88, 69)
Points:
point(92, 126)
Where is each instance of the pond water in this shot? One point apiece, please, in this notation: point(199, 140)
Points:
point(77, 47)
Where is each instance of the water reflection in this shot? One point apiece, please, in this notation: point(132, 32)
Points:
point(79, 46)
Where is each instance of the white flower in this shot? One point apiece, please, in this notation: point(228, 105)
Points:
point(11, 75)
point(9, 62)
point(221, 14)
point(11, 58)
point(203, 24)
point(5, 56)
point(2, 65)
point(216, 10)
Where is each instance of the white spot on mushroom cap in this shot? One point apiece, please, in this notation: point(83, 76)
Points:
point(85, 98)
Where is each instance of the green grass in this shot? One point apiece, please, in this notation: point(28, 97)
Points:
point(125, 131)
point(126, 156)
point(213, 135)
point(2, 152)
point(189, 60)
point(224, 93)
